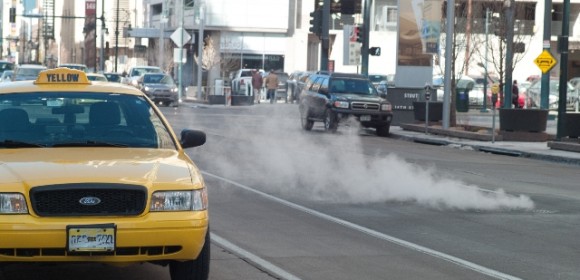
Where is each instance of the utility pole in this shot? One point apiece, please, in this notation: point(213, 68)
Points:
point(509, 6)
point(545, 82)
point(200, 47)
point(102, 60)
point(162, 22)
point(563, 48)
point(117, 38)
point(448, 57)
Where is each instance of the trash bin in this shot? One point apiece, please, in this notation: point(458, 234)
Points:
point(462, 99)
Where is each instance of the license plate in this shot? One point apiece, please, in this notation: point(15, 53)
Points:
point(91, 238)
point(365, 118)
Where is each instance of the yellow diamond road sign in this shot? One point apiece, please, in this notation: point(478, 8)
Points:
point(545, 61)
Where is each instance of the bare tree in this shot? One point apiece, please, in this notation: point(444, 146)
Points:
point(496, 47)
point(214, 56)
point(463, 46)
point(468, 43)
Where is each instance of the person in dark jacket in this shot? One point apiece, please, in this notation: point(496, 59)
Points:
point(515, 94)
point(257, 85)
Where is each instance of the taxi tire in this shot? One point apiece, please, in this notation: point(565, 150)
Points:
point(197, 269)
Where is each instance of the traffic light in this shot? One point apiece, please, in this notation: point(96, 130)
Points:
point(12, 15)
point(360, 34)
point(316, 22)
point(376, 51)
point(519, 47)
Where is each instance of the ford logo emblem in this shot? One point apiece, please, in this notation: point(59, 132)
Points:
point(89, 200)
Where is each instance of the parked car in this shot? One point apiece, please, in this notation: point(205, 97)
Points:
point(76, 66)
point(301, 83)
point(523, 95)
point(6, 76)
point(242, 82)
point(6, 65)
point(113, 77)
point(282, 92)
point(160, 88)
point(96, 77)
point(27, 72)
point(463, 82)
point(332, 98)
point(534, 95)
point(377, 78)
point(292, 85)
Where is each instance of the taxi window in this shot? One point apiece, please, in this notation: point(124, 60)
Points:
point(54, 119)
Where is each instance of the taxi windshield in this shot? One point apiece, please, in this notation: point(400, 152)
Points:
point(80, 119)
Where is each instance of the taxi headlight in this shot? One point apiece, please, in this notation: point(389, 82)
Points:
point(194, 200)
point(341, 104)
point(386, 107)
point(13, 203)
point(174, 89)
point(147, 88)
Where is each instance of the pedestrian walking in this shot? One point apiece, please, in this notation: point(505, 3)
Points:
point(515, 94)
point(271, 82)
point(257, 82)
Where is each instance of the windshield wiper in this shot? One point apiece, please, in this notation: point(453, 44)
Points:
point(7, 143)
point(90, 143)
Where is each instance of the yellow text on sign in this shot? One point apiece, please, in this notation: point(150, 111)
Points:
point(545, 61)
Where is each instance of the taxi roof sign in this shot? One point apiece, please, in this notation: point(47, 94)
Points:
point(62, 76)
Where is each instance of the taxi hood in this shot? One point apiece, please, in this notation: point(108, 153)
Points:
point(147, 167)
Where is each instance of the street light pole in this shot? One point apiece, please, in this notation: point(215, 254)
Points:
point(180, 64)
point(484, 107)
point(200, 47)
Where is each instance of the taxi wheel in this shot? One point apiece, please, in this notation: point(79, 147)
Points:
point(330, 121)
point(197, 269)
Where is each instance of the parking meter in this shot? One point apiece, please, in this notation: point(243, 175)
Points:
point(428, 89)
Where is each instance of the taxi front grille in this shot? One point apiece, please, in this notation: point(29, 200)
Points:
point(88, 200)
point(119, 251)
point(365, 106)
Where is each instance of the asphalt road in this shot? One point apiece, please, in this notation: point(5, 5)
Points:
point(403, 210)
point(290, 204)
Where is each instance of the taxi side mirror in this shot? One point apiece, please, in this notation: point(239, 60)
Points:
point(192, 138)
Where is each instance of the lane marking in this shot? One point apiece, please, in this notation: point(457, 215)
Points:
point(461, 262)
point(263, 264)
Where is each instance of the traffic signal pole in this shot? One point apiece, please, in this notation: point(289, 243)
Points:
point(325, 36)
point(364, 51)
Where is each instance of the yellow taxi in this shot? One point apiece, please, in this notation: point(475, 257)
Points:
point(93, 172)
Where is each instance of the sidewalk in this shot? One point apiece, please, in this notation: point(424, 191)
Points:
point(533, 150)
